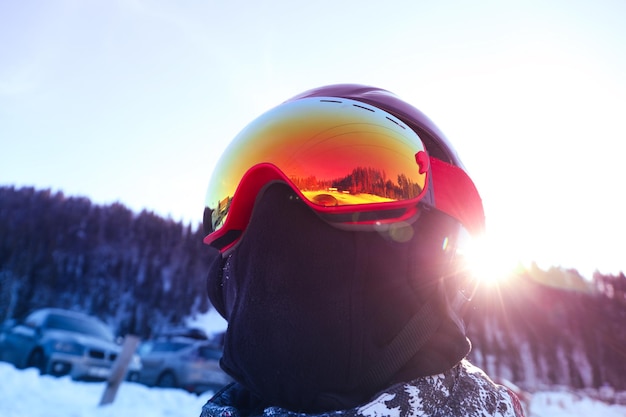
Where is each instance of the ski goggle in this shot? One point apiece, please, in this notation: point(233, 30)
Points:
point(346, 160)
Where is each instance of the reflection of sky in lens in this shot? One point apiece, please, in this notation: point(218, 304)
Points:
point(323, 145)
point(133, 101)
point(350, 147)
point(322, 139)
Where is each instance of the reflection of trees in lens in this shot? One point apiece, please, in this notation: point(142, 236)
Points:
point(363, 180)
point(218, 215)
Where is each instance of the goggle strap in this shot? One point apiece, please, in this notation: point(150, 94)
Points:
point(456, 195)
point(411, 339)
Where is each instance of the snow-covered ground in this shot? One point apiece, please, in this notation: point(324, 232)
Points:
point(24, 393)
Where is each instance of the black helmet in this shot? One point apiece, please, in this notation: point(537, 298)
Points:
point(337, 215)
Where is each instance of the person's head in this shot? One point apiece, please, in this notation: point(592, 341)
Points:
point(335, 219)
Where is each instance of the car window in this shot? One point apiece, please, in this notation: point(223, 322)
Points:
point(166, 346)
point(144, 348)
point(207, 352)
point(79, 325)
point(35, 319)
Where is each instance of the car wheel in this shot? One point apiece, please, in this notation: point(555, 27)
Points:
point(166, 380)
point(37, 360)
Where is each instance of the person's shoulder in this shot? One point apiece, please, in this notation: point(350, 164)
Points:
point(477, 393)
point(463, 391)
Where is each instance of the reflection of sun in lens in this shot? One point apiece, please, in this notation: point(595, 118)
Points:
point(488, 262)
point(325, 200)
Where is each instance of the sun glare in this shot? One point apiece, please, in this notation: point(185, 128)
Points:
point(487, 262)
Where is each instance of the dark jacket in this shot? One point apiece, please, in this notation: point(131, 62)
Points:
point(464, 391)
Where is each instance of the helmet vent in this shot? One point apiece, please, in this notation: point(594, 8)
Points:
point(363, 107)
point(396, 122)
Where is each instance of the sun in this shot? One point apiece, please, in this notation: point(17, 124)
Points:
point(487, 261)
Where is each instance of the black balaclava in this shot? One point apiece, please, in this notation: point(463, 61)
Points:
point(311, 307)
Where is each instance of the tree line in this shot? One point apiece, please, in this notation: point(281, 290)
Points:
point(139, 272)
point(552, 328)
point(364, 180)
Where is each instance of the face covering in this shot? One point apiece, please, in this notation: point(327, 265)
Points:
point(311, 308)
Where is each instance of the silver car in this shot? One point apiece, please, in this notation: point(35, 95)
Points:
point(62, 342)
point(181, 362)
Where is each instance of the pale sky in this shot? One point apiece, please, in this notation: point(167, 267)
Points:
point(132, 101)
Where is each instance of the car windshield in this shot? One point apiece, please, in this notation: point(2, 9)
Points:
point(208, 352)
point(79, 325)
point(168, 346)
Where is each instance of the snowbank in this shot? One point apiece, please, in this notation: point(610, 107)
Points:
point(568, 404)
point(24, 393)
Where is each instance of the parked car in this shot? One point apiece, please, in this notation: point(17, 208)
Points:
point(215, 338)
point(182, 362)
point(62, 342)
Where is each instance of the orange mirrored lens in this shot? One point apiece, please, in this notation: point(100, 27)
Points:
point(336, 152)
